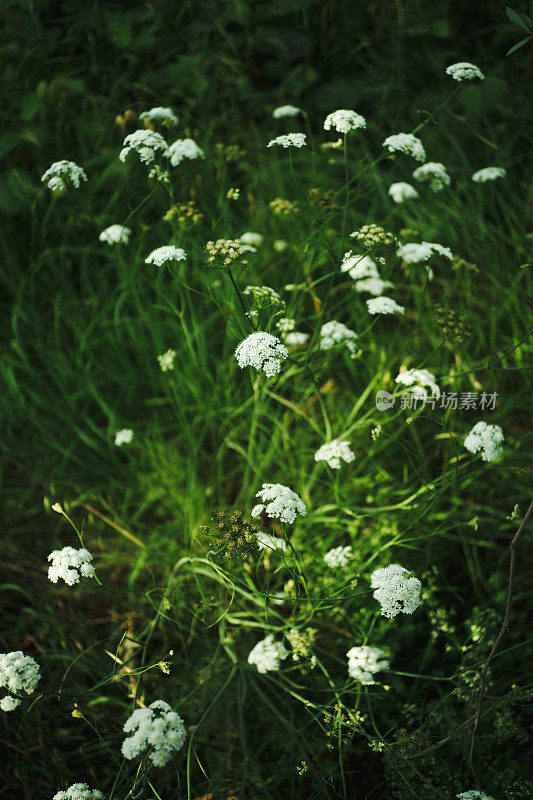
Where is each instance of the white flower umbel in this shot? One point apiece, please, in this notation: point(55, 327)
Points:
point(288, 140)
point(79, 791)
point(488, 174)
point(334, 452)
point(62, 175)
point(364, 662)
point(250, 237)
point(262, 351)
point(474, 794)
point(338, 557)
point(400, 192)
point(296, 339)
point(486, 440)
point(395, 590)
point(335, 333)
point(146, 144)
point(160, 116)
point(18, 673)
point(285, 325)
point(405, 143)
point(433, 173)
point(183, 149)
point(374, 286)
point(166, 361)
point(123, 437)
point(280, 245)
point(115, 234)
point(70, 565)
point(463, 71)
point(267, 655)
point(415, 252)
point(9, 703)
point(156, 730)
point(279, 502)
point(266, 541)
point(418, 378)
point(384, 305)
point(358, 266)
point(286, 111)
point(165, 255)
point(344, 120)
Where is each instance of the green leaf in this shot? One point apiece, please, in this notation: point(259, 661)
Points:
point(520, 44)
point(7, 142)
point(517, 19)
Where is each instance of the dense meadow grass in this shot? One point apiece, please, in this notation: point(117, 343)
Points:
point(182, 592)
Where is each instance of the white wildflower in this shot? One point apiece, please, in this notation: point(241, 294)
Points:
point(123, 437)
point(400, 192)
point(406, 143)
point(463, 71)
point(488, 174)
point(233, 193)
point(334, 333)
point(358, 266)
point(279, 502)
point(263, 296)
point(267, 541)
point(395, 590)
point(418, 378)
point(70, 565)
point(288, 140)
point(156, 730)
point(250, 237)
point(79, 791)
point(182, 149)
point(263, 351)
point(474, 794)
point(364, 662)
point(296, 339)
point(280, 245)
point(159, 115)
point(433, 172)
point(286, 111)
point(384, 305)
point(165, 255)
point(338, 557)
point(166, 361)
point(147, 144)
point(9, 703)
point(335, 451)
point(115, 234)
point(414, 252)
point(486, 440)
point(285, 325)
point(374, 286)
point(63, 174)
point(344, 120)
point(267, 655)
point(18, 673)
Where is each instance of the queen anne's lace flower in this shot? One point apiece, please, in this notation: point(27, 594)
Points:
point(374, 286)
point(488, 174)
point(418, 378)
point(344, 120)
point(9, 703)
point(288, 140)
point(358, 266)
point(364, 662)
point(160, 115)
point(227, 253)
point(463, 71)
point(70, 565)
point(63, 174)
point(384, 305)
point(123, 437)
point(147, 144)
point(400, 192)
point(156, 730)
point(250, 237)
point(335, 451)
point(285, 325)
point(334, 333)
point(263, 351)
point(286, 111)
point(115, 234)
point(279, 502)
point(266, 541)
point(474, 794)
point(264, 296)
point(396, 591)
point(414, 252)
point(166, 361)
point(18, 673)
point(296, 339)
point(338, 557)
point(406, 143)
point(486, 440)
point(79, 791)
point(165, 255)
point(433, 172)
point(182, 149)
point(267, 655)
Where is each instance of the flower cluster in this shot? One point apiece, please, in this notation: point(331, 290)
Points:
point(400, 192)
point(146, 144)
point(375, 286)
point(288, 140)
point(79, 791)
point(186, 214)
point(474, 794)
point(486, 440)
point(395, 590)
point(226, 253)
point(417, 379)
point(63, 174)
point(166, 360)
point(156, 730)
point(463, 71)
point(333, 333)
point(338, 557)
point(364, 662)
point(70, 565)
point(123, 437)
point(159, 115)
point(115, 234)
point(18, 673)
point(335, 451)
point(235, 537)
point(296, 339)
point(183, 149)
point(263, 351)
point(414, 252)
point(405, 143)
point(165, 255)
point(285, 325)
point(265, 541)
point(373, 237)
point(264, 296)
point(284, 208)
point(301, 644)
point(344, 120)
point(384, 305)
point(286, 111)
point(488, 174)
point(358, 266)
point(279, 502)
point(251, 238)
point(267, 655)
point(433, 172)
